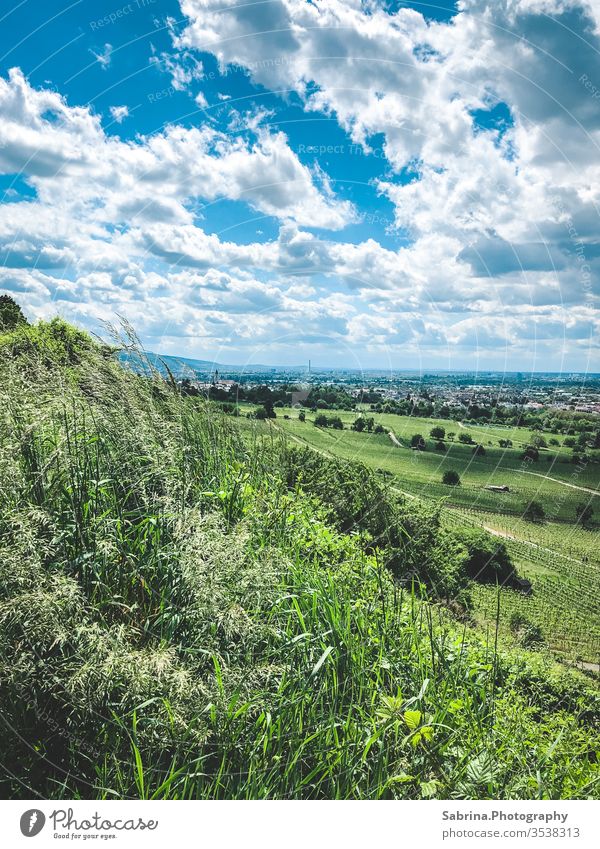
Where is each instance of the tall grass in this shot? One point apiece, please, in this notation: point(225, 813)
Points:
point(177, 620)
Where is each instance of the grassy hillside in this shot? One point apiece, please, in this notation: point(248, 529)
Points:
point(189, 608)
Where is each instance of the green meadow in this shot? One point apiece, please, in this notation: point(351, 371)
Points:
point(554, 480)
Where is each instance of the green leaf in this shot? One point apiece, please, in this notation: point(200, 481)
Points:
point(413, 719)
point(429, 788)
point(401, 778)
point(481, 770)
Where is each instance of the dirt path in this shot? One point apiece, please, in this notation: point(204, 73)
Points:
point(395, 439)
point(505, 535)
point(557, 480)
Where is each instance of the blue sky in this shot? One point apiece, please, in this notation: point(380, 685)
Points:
point(387, 183)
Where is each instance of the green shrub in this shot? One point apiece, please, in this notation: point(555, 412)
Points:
point(451, 477)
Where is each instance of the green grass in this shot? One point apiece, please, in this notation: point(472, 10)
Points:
point(420, 472)
point(178, 620)
point(560, 558)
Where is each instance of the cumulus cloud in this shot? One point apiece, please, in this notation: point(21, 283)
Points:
point(501, 218)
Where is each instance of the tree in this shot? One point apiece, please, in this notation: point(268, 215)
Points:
point(301, 416)
point(321, 420)
point(379, 428)
point(584, 513)
point(465, 438)
point(479, 451)
point(534, 512)
point(505, 443)
point(11, 315)
point(451, 435)
point(451, 478)
point(269, 411)
point(437, 432)
point(530, 453)
point(417, 441)
point(359, 424)
point(440, 446)
point(336, 423)
point(487, 557)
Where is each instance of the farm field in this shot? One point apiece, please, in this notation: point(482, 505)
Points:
point(560, 558)
point(560, 486)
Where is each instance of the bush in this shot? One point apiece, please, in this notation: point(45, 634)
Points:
point(417, 441)
point(465, 438)
point(321, 420)
point(478, 451)
point(528, 634)
point(451, 478)
point(584, 513)
point(437, 432)
point(534, 512)
point(301, 416)
point(488, 560)
point(379, 428)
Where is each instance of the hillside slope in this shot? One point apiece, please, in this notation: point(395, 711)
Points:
point(186, 612)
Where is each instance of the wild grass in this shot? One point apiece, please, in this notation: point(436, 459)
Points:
point(180, 619)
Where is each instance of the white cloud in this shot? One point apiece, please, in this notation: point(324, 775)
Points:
point(64, 152)
point(504, 252)
point(119, 113)
point(103, 58)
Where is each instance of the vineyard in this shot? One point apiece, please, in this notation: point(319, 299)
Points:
point(560, 558)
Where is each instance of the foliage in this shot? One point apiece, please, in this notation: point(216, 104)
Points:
point(584, 513)
point(488, 559)
point(11, 314)
point(534, 511)
point(417, 441)
point(451, 477)
point(190, 611)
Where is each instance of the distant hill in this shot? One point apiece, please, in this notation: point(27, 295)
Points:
point(182, 367)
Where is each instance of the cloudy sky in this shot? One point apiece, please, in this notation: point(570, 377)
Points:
point(360, 183)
